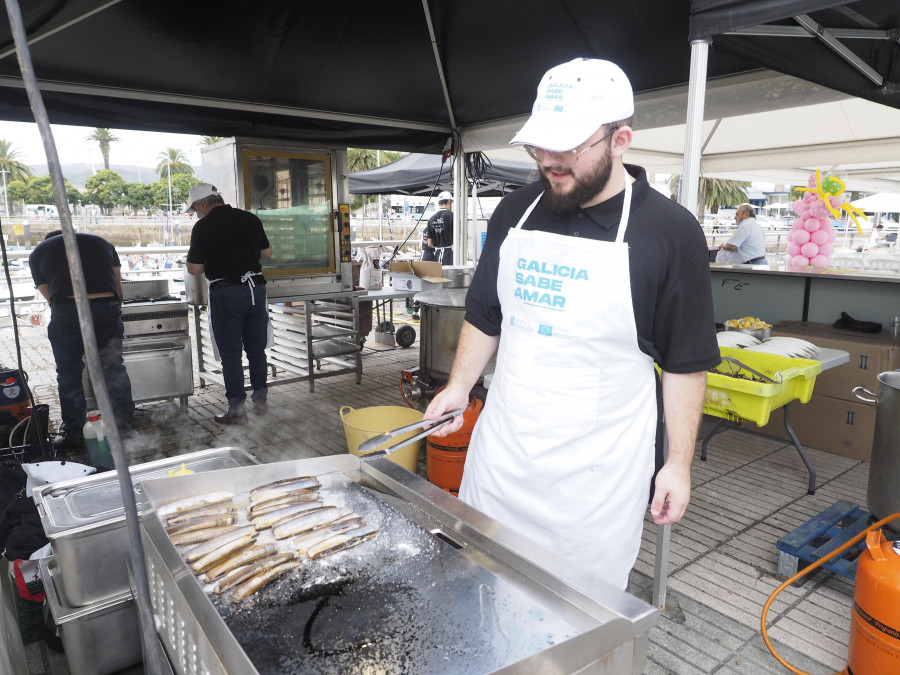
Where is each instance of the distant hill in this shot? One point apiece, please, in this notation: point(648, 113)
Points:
point(77, 174)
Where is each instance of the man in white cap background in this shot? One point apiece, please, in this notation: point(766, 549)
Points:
point(587, 279)
point(439, 230)
point(227, 245)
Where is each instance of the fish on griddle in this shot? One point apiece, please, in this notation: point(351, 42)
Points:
point(279, 488)
point(223, 553)
point(192, 503)
point(253, 584)
point(307, 522)
point(304, 541)
point(341, 542)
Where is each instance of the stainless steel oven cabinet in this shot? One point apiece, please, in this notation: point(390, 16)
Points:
point(159, 367)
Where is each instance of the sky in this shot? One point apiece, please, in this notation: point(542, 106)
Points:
point(139, 148)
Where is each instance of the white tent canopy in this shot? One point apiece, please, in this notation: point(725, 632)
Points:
point(883, 202)
point(762, 126)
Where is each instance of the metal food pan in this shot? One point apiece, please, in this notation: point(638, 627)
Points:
point(464, 593)
point(84, 519)
point(99, 639)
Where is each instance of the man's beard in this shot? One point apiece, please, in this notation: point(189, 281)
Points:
point(586, 187)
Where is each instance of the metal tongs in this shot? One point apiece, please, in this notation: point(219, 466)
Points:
point(367, 448)
point(731, 367)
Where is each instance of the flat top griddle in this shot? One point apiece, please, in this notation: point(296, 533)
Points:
point(406, 601)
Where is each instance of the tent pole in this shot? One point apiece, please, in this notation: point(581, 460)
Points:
point(459, 206)
point(690, 175)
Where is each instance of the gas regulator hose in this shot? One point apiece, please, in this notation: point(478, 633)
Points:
point(803, 572)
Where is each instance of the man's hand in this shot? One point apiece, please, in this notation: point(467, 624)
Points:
point(671, 494)
point(449, 398)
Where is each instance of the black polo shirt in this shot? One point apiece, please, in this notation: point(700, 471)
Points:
point(671, 290)
point(440, 228)
point(228, 241)
point(49, 265)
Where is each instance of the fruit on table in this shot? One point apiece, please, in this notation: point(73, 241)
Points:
point(748, 322)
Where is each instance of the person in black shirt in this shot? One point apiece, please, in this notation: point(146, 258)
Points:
point(587, 279)
point(227, 245)
point(439, 231)
point(102, 277)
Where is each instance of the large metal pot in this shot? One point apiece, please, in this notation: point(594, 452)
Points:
point(884, 471)
point(195, 290)
point(442, 315)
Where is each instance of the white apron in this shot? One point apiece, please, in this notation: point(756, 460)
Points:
point(564, 449)
point(247, 278)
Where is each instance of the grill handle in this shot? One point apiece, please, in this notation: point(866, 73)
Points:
point(172, 346)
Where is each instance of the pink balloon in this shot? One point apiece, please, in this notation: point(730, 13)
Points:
point(793, 249)
point(811, 224)
point(799, 261)
point(825, 224)
point(820, 261)
point(819, 237)
point(798, 205)
point(797, 224)
point(810, 196)
point(809, 250)
point(832, 235)
point(800, 236)
point(826, 249)
point(835, 201)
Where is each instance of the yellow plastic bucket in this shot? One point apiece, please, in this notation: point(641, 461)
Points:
point(361, 425)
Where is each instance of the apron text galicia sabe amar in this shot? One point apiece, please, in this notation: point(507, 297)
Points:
point(564, 450)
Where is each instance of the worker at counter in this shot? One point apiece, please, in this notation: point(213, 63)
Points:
point(748, 244)
point(227, 245)
point(103, 282)
point(587, 278)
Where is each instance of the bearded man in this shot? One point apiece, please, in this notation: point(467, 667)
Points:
point(587, 279)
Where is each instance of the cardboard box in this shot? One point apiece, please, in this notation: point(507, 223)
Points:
point(870, 355)
point(844, 428)
point(417, 275)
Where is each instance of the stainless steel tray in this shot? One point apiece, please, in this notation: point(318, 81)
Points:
point(442, 589)
point(99, 639)
point(84, 519)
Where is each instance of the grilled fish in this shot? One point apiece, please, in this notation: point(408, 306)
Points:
point(341, 542)
point(264, 493)
point(304, 541)
point(219, 510)
point(241, 574)
point(268, 519)
point(307, 522)
point(192, 503)
point(211, 545)
point(252, 585)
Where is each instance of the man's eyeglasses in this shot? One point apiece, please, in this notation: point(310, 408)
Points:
point(563, 155)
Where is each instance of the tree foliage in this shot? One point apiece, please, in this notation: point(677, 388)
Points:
point(209, 140)
point(361, 159)
point(18, 170)
point(106, 189)
point(104, 137)
point(176, 160)
point(39, 190)
point(714, 193)
point(138, 196)
point(181, 185)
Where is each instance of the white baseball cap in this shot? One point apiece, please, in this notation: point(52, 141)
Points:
point(443, 196)
point(573, 101)
point(198, 192)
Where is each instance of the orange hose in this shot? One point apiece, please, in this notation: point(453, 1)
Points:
point(803, 572)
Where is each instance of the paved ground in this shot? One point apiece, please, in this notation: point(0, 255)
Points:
point(723, 560)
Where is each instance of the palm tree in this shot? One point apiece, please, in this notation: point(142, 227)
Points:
point(714, 192)
point(103, 137)
point(8, 162)
point(173, 160)
point(209, 140)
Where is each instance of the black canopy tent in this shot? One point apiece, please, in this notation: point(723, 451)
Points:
point(421, 174)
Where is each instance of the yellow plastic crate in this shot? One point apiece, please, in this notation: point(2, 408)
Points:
point(737, 399)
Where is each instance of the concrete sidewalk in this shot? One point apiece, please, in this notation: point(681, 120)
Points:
point(723, 560)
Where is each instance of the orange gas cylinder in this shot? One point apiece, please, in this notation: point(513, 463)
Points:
point(446, 456)
point(875, 618)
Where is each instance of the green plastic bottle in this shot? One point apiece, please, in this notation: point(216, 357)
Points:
point(95, 443)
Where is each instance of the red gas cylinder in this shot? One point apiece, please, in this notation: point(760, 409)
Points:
point(875, 619)
point(446, 456)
